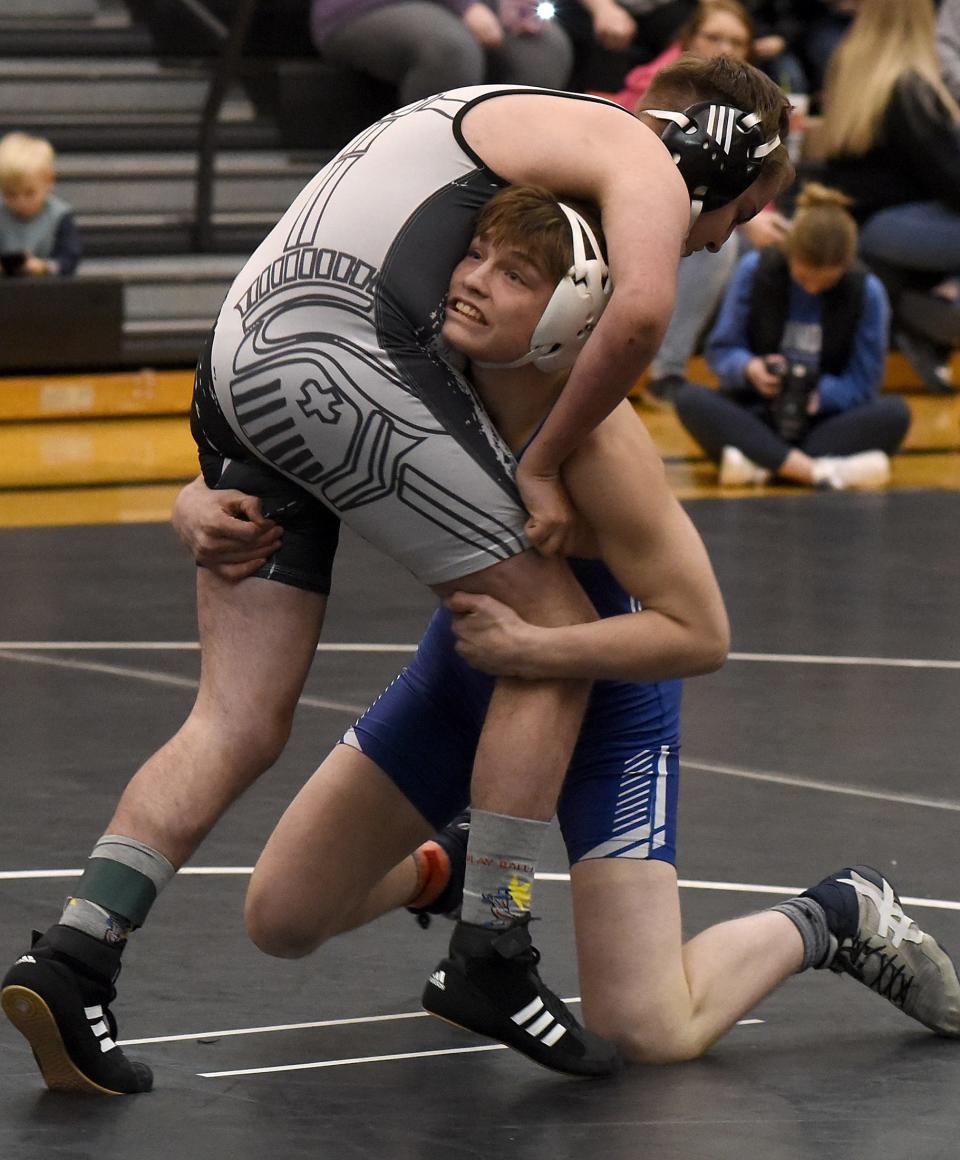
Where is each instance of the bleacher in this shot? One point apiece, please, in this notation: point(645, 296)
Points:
point(119, 89)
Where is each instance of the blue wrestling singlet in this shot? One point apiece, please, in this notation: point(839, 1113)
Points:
point(619, 799)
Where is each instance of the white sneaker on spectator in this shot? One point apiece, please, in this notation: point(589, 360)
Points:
point(736, 470)
point(868, 469)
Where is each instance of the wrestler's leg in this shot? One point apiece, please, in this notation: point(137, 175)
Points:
point(336, 859)
point(258, 639)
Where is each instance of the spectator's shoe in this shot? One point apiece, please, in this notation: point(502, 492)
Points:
point(736, 470)
point(868, 469)
point(445, 855)
point(57, 996)
point(929, 359)
point(885, 949)
point(490, 984)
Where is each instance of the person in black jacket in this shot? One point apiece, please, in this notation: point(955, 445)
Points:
point(892, 139)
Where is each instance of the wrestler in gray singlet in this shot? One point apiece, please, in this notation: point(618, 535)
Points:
point(326, 360)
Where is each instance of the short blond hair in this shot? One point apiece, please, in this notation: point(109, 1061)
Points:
point(23, 156)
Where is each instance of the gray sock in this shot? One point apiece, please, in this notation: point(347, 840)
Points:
point(810, 919)
point(502, 856)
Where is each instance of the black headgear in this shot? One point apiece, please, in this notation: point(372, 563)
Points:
point(717, 148)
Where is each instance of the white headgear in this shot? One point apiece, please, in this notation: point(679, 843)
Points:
point(574, 309)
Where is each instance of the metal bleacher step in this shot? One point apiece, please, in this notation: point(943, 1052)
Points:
point(55, 85)
point(80, 10)
point(38, 28)
point(175, 288)
point(165, 233)
point(112, 184)
point(103, 103)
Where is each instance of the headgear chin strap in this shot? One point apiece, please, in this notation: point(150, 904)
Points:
point(717, 148)
point(574, 309)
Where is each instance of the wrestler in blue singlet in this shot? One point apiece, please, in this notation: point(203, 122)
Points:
point(620, 796)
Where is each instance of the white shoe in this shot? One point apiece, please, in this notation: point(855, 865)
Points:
point(868, 469)
point(736, 470)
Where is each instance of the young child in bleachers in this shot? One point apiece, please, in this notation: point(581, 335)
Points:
point(38, 232)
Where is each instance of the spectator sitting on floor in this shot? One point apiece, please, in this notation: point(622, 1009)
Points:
point(800, 349)
point(891, 133)
point(38, 233)
point(717, 27)
point(422, 47)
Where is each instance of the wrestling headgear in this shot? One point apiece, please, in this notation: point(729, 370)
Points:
point(574, 309)
point(717, 148)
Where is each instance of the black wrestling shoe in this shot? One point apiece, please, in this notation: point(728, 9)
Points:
point(884, 949)
point(489, 984)
point(452, 840)
point(57, 996)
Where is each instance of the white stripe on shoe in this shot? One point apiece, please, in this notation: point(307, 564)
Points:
point(539, 1023)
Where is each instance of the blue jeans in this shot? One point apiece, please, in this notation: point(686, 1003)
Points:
point(919, 235)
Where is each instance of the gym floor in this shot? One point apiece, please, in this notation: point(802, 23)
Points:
point(829, 738)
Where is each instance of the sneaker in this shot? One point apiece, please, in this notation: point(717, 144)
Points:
point(736, 470)
point(489, 984)
point(448, 847)
point(838, 473)
point(885, 950)
point(57, 996)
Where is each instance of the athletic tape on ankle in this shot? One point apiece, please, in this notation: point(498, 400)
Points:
point(124, 876)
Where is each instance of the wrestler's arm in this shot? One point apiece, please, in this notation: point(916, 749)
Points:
point(649, 543)
point(594, 151)
point(224, 530)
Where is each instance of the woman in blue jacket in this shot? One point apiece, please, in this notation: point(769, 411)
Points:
point(799, 349)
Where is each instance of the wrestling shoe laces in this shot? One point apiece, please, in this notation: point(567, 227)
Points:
point(883, 948)
point(489, 984)
point(57, 995)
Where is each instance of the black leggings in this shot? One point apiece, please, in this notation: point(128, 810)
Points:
point(715, 421)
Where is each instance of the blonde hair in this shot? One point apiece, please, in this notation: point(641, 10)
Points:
point(23, 156)
point(727, 81)
point(888, 40)
point(823, 232)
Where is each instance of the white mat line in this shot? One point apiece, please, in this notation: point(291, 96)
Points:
point(192, 645)
point(154, 677)
point(818, 659)
point(401, 1055)
point(234, 1031)
point(542, 876)
point(347, 1062)
point(352, 1021)
point(823, 786)
point(172, 646)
